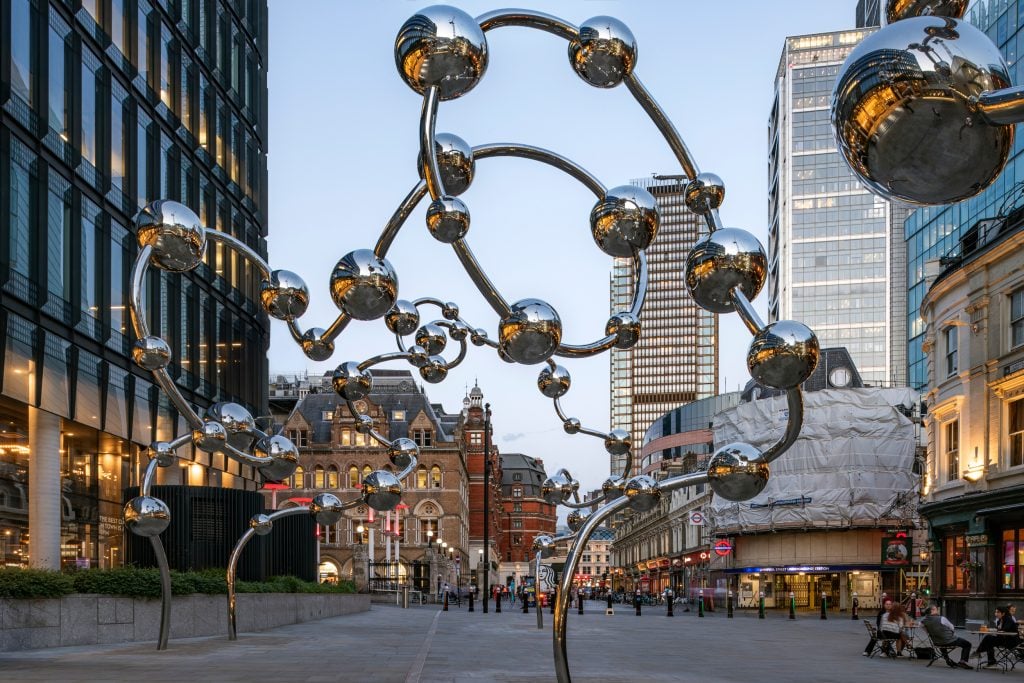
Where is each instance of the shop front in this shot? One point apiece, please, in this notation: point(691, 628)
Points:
point(807, 583)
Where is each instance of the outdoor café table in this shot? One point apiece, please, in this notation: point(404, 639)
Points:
point(916, 637)
point(1002, 654)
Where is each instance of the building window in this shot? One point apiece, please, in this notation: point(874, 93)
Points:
point(398, 415)
point(423, 437)
point(1016, 426)
point(517, 540)
point(346, 437)
point(517, 492)
point(1013, 548)
point(318, 477)
point(421, 477)
point(955, 560)
point(332, 477)
point(435, 477)
point(366, 471)
point(952, 447)
point(298, 479)
point(517, 476)
point(353, 477)
point(327, 416)
point(1017, 318)
point(476, 438)
point(952, 343)
point(517, 524)
point(517, 507)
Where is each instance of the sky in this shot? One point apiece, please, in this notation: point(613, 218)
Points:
point(342, 147)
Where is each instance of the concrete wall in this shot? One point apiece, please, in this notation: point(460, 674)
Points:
point(93, 619)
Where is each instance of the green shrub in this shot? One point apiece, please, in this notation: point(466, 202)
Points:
point(34, 583)
point(130, 581)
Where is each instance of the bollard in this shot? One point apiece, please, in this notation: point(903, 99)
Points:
point(700, 603)
point(445, 609)
point(636, 602)
point(913, 605)
point(609, 611)
point(824, 598)
point(671, 598)
point(728, 605)
point(853, 608)
point(497, 602)
point(792, 605)
point(551, 601)
point(760, 605)
point(405, 596)
point(471, 599)
point(579, 602)
point(526, 602)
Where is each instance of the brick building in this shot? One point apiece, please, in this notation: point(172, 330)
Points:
point(476, 444)
point(525, 514)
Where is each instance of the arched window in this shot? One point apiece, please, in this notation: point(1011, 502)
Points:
point(318, 477)
point(421, 477)
point(366, 471)
point(332, 477)
point(353, 477)
point(298, 479)
point(435, 477)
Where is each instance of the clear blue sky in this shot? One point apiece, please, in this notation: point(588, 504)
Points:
point(342, 155)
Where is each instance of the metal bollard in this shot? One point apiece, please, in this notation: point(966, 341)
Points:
point(913, 605)
point(551, 601)
point(497, 602)
point(853, 608)
point(792, 605)
point(728, 605)
point(579, 602)
point(526, 603)
point(405, 596)
point(636, 602)
point(671, 598)
point(609, 611)
point(445, 609)
point(824, 598)
point(700, 603)
point(471, 599)
point(760, 605)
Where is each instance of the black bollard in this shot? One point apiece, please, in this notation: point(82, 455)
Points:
point(471, 601)
point(728, 605)
point(609, 610)
point(497, 602)
point(792, 606)
point(823, 599)
point(445, 609)
point(526, 602)
point(579, 603)
point(636, 603)
point(700, 603)
point(551, 601)
point(853, 610)
point(671, 598)
point(760, 606)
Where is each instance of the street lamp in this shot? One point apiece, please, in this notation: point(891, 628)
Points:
point(430, 537)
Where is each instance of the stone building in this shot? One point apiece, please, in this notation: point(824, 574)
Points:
point(525, 513)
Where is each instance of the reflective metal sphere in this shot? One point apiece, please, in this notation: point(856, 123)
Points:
point(381, 490)
point(737, 472)
point(618, 442)
point(151, 353)
point(435, 370)
point(284, 296)
point(350, 382)
point(211, 437)
point(450, 311)
point(575, 520)
point(315, 346)
point(613, 487)
point(896, 10)
point(146, 516)
point(720, 261)
point(904, 116)
point(545, 545)
point(363, 285)
point(455, 163)
point(643, 493)
point(364, 424)
point(626, 328)
point(626, 219)
point(783, 355)
point(403, 318)
point(447, 219)
point(418, 357)
point(531, 333)
point(604, 53)
point(458, 330)
point(402, 451)
point(704, 193)
point(175, 233)
point(162, 452)
point(261, 524)
point(285, 456)
point(441, 46)
point(558, 488)
point(237, 421)
point(554, 383)
point(326, 508)
point(478, 337)
point(572, 425)
point(432, 338)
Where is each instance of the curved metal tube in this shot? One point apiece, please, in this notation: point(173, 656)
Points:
point(383, 358)
point(295, 330)
point(479, 277)
point(642, 280)
point(529, 19)
point(1002, 107)
point(240, 247)
point(746, 311)
point(429, 301)
point(713, 220)
point(379, 438)
point(668, 130)
point(546, 156)
point(639, 294)
point(584, 350)
point(390, 231)
point(428, 160)
point(153, 464)
point(165, 591)
point(336, 327)
point(247, 458)
point(409, 469)
point(233, 564)
point(795, 422)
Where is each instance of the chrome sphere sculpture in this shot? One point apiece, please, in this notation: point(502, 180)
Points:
point(737, 472)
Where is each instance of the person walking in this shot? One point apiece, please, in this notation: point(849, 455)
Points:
point(942, 633)
point(886, 606)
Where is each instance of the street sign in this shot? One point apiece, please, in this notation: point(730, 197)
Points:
point(723, 548)
point(696, 518)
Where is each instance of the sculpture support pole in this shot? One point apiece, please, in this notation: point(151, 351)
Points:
point(1002, 107)
point(165, 591)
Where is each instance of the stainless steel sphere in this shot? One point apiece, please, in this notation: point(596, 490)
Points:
point(315, 346)
point(403, 452)
point(554, 382)
point(418, 356)
point(613, 487)
point(364, 424)
point(904, 114)
point(478, 337)
point(162, 452)
point(458, 330)
point(626, 328)
point(441, 46)
point(604, 53)
point(895, 10)
point(363, 285)
point(381, 490)
point(643, 493)
point(450, 310)
point(261, 524)
point(545, 545)
point(618, 442)
point(575, 520)
point(325, 508)
point(151, 353)
point(783, 355)
point(432, 338)
point(737, 472)
point(530, 333)
point(211, 437)
point(572, 425)
point(721, 261)
point(624, 220)
point(284, 296)
point(558, 488)
point(174, 232)
point(237, 421)
point(350, 382)
point(704, 193)
point(448, 219)
point(435, 370)
point(455, 163)
point(403, 318)
point(285, 456)
point(146, 516)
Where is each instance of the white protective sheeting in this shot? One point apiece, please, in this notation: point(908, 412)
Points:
point(852, 459)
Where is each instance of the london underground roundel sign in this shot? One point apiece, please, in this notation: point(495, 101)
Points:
point(723, 548)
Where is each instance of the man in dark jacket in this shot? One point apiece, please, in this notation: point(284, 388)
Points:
point(941, 631)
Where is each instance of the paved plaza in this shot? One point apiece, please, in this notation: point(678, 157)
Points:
point(426, 645)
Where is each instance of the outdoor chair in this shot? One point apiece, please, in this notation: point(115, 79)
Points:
point(941, 652)
point(883, 643)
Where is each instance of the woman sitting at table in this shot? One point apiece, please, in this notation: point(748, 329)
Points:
point(1005, 636)
point(893, 622)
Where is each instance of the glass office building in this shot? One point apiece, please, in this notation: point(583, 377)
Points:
point(104, 106)
point(675, 361)
point(835, 250)
point(933, 232)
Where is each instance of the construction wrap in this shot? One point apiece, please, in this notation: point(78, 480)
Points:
point(851, 466)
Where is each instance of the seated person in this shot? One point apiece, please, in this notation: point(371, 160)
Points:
point(1006, 636)
point(893, 622)
point(886, 606)
point(941, 631)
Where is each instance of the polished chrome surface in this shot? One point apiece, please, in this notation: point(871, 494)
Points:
point(444, 47)
point(283, 454)
point(625, 327)
point(350, 382)
point(795, 406)
point(664, 125)
point(316, 345)
point(174, 233)
point(558, 488)
point(745, 310)
point(642, 493)
point(151, 353)
point(483, 283)
point(163, 454)
point(904, 111)
point(529, 19)
point(721, 261)
point(165, 591)
point(241, 248)
point(704, 194)
point(554, 380)
point(237, 422)
point(397, 220)
point(455, 164)
point(434, 370)
point(613, 487)
point(210, 437)
point(624, 220)
point(545, 156)
point(402, 452)
point(146, 516)
point(326, 509)
point(403, 318)
point(604, 52)
point(545, 545)
point(447, 219)
point(618, 442)
point(737, 472)
point(430, 171)
point(432, 338)
point(531, 332)
point(895, 10)
point(575, 520)
point(364, 285)
point(783, 354)
point(1002, 107)
point(261, 524)
point(571, 425)
point(284, 296)
point(381, 490)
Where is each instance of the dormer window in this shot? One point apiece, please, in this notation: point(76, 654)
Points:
point(423, 437)
point(328, 416)
point(398, 415)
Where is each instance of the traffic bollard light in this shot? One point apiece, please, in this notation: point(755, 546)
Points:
point(671, 598)
point(824, 599)
point(792, 605)
point(728, 605)
point(760, 605)
point(853, 609)
point(700, 603)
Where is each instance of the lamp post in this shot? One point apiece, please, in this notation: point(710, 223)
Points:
point(359, 540)
point(430, 538)
point(487, 502)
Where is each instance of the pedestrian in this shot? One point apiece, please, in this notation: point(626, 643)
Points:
point(1005, 636)
point(886, 606)
point(893, 622)
point(942, 633)
point(512, 596)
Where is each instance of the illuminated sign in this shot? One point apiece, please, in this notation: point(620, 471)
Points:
point(723, 548)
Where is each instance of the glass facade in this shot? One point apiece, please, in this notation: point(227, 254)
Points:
point(675, 361)
point(933, 232)
point(106, 105)
point(833, 249)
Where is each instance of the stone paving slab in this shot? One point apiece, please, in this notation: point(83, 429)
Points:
point(426, 645)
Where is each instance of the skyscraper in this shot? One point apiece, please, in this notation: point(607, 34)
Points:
point(836, 253)
point(675, 361)
point(106, 105)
